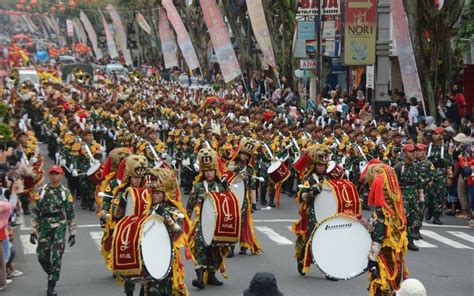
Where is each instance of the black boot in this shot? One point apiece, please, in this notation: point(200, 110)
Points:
point(437, 221)
point(243, 251)
point(51, 286)
point(254, 208)
point(199, 282)
point(428, 214)
point(417, 234)
point(299, 262)
point(128, 288)
point(411, 245)
point(231, 252)
point(212, 280)
point(272, 201)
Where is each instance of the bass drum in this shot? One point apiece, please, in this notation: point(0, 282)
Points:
point(340, 245)
point(237, 186)
point(220, 218)
point(337, 196)
point(156, 247)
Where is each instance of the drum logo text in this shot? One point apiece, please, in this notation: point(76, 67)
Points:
point(338, 226)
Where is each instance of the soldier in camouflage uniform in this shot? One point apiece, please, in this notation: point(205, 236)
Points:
point(438, 154)
point(427, 170)
point(52, 213)
point(207, 258)
point(266, 155)
point(411, 185)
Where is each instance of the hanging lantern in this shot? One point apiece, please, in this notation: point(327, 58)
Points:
point(33, 2)
point(19, 7)
point(53, 9)
point(28, 8)
point(62, 9)
point(60, 4)
point(72, 4)
point(21, 1)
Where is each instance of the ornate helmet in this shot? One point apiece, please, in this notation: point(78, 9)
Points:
point(207, 159)
point(161, 179)
point(248, 145)
point(116, 156)
point(135, 166)
point(318, 153)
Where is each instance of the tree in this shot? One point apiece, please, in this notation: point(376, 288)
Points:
point(431, 31)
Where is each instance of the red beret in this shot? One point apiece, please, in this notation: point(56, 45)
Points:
point(408, 147)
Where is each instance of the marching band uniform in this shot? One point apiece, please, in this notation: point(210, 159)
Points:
point(389, 238)
point(207, 259)
point(90, 152)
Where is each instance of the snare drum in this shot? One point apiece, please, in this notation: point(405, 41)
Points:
point(334, 170)
point(95, 173)
point(340, 245)
point(237, 186)
point(220, 218)
point(142, 247)
point(278, 172)
point(337, 196)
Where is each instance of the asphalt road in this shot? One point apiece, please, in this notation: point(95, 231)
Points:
point(444, 263)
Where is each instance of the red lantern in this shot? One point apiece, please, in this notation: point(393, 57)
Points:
point(28, 8)
point(19, 7)
point(72, 4)
point(62, 8)
point(21, 1)
point(33, 2)
point(53, 9)
point(60, 4)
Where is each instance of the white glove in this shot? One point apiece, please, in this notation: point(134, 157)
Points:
point(186, 162)
point(74, 173)
point(62, 162)
point(34, 159)
point(196, 167)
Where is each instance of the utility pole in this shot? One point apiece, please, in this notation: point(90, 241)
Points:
point(382, 74)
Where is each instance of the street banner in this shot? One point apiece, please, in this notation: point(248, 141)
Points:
point(404, 50)
point(69, 28)
point(110, 39)
point(184, 41)
point(370, 76)
point(168, 44)
point(308, 64)
point(122, 36)
point(260, 30)
point(311, 7)
point(91, 33)
point(81, 34)
point(220, 40)
point(360, 32)
point(143, 23)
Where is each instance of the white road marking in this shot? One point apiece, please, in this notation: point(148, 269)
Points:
point(88, 226)
point(444, 226)
point(21, 220)
point(28, 248)
point(96, 237)
point(443, 239)
point(422, 244)
point(271, 234)
point(463, 235)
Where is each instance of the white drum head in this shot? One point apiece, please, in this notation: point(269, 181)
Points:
point(95, 166)
point(238, 188)
point(340, 245)
point(129, 206)
point(156, 247)
point(208, 220)
point(273, 167)
point(331, 166)
point(325, 204)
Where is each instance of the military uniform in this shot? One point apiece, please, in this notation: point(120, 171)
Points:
point(52, 213)
point(426, 169)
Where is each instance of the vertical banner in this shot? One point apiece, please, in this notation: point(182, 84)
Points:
point(184, 41)
point(91, 33)
point(55, 23)
point(404, 50)
point(168, 45)
point(122, 37)
point(69, 28)
point(220, 40)
point(110, 39)
point(370, 76)
point(260, 30)
point(360, 32)
point(81, 34)
point(143, 23)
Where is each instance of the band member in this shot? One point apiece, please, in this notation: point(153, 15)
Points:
point(317, 157)
point(389, 237)
point(207, 259)
point(162, 183)
point(243, 164)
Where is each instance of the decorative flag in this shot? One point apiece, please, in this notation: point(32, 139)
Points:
point(91, 33)
point(122, 37)
point(220, 40)
point(110, 40)
point(404, 50)
point(81, 34)
point(184, 41)
point(55, 23)
point(260, 30)
point(168, 44)
point(69, 28)
point(143, 23)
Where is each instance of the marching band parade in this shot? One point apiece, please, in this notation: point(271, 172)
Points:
point(175, 172)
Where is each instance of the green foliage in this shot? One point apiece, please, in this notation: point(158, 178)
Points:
point(5, 132)
point(3, 110)
point(466, 29)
